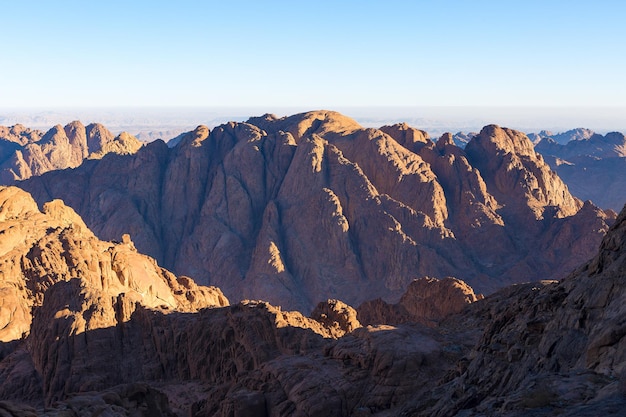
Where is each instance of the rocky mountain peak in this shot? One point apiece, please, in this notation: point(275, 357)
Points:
point(59, 148)
point(445, 140)
point(407, 136)
point(517, 175)
point(305, 208)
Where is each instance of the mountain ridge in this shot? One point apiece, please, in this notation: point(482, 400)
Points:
point(312, 206)
point(25, 152)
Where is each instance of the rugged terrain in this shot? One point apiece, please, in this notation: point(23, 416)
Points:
point(25, 152)
point(113, 334)
point(592, 165)
point(304, 208)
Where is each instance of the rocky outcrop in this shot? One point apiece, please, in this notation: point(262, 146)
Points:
point(130, 344)
point(310, 207)
point(427, 301)
point(25, 153)
point(550, 346)
point(338, 317)
point(19, 134)
point(53, 268)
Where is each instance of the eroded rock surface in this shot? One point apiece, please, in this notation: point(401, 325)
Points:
point(111, 333)
point(427, 301)
point(25, 153)
point(310, 207)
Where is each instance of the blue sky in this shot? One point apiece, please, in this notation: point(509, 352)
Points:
point(322, 54)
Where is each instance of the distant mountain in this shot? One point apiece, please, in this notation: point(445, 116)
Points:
point(592, 165)
point(611, 145)
point(299, 209)
point(25, 152)
point(152, 135)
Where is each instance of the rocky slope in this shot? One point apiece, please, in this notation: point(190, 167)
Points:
point(103, 343)
point(600, 180)
point(60, 286)
point(98, 329)
point(25, 153)
point(299, 209)
point(557, 348)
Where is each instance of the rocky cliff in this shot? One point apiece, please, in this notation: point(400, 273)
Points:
point(113, 334)
point(551, 348)
point(25, 153)
point(299, 209)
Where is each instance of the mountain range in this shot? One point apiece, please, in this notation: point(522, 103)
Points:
point(300, 209)
point(26, 152)
point(304, 266)
point(95, 328)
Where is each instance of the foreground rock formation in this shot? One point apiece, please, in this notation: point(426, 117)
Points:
point(25, 153)
point(426, 301)
point(113, 334)
point(304, 208)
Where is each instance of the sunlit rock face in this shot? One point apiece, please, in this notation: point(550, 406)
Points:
point(310, 207)
point(40, 249)
point(25, 153)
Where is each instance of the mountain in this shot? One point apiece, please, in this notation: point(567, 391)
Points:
point(555, 348)
point(461, 139)
point(25, 153)
point(592, 165)
point(300, 209)
point(611, 145)
point(111, 333)
point(600, 180)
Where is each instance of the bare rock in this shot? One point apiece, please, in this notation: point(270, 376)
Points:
point(24, 153)
point(338, 317)
point(298, 209)
point(426, 300)
point(518, 176)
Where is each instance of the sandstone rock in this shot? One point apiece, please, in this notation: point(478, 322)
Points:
point(100, 343)
point(310, 207)
point(338, 317)
point(550, 345)
point(517, 176)
point(426, 301)
point(24, 153)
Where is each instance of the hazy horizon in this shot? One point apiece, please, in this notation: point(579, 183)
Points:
point(433, 119)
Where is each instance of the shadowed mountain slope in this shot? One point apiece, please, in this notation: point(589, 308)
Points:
point(139, 341)
point(299, 209)
point(592, 165)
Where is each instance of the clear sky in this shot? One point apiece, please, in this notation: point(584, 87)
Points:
point(316, 54)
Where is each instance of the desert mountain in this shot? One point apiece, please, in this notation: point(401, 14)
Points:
point(60, 286)
point(300, 209)
point(25, 152)
point(611, 145)
point(593, 166)
point(547, 347)
point(102, 343)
